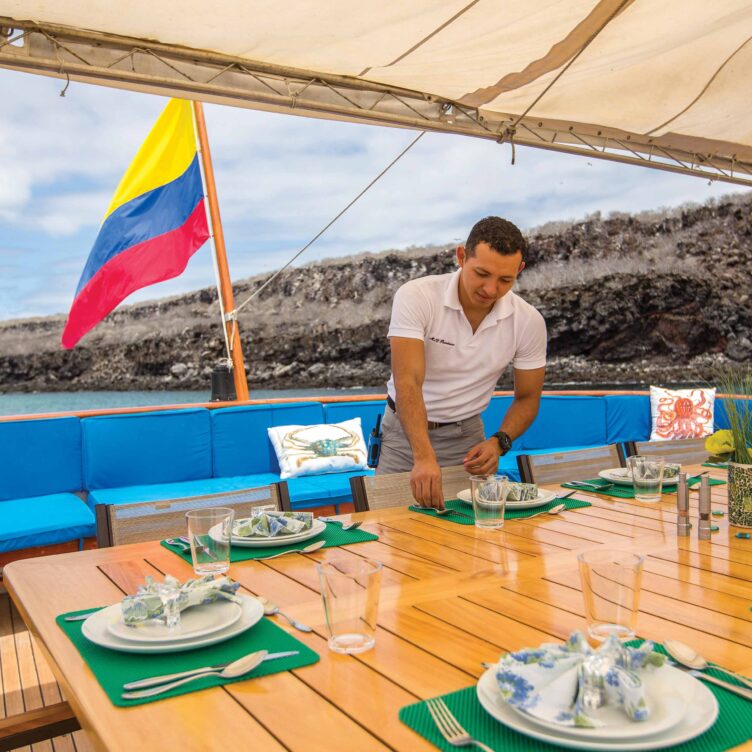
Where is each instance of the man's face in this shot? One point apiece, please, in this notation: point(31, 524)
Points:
point(486, 275)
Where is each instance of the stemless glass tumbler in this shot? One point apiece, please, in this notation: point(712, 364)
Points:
point(350, 591)
point(611, 583)
point(489, 494)
point(210, 534)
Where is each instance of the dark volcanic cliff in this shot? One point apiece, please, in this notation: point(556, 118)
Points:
point(629, 299)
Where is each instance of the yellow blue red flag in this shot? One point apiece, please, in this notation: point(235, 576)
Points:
point(155, 222)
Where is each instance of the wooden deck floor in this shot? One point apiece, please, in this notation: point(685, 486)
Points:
point(26, 681)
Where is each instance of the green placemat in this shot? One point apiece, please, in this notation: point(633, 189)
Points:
point(509, 514)
point(722, 465)
point(113, 669)
point(333, 534)
point(731, 729)
point(627, 492)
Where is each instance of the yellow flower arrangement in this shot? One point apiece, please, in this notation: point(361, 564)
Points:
point(720, 444)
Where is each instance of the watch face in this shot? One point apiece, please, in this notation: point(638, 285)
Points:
point(504, 441)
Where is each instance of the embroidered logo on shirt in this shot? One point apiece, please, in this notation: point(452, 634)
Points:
point(441, 341)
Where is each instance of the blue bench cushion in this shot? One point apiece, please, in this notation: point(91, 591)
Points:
point(240, 443)
point(568, 420)
point(147, 448)
point(367, 410)
point(40, 457)
point(43, 521)
point(627, 418)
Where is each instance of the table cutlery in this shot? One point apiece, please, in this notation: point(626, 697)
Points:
point(80, 617)
point(310, 548)
point(182, 545)
point(344, 525)
point(554, 510)
point(590, 486)
point(689, 657)
point(200, 546)
point(741, 691)
point(234, 670)
point(449, 727)
point(270, 609)
point(157, 680)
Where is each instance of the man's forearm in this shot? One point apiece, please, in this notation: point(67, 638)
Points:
point(520, 415)
point(411, 411)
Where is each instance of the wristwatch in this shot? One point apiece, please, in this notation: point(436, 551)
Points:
point(505, 442)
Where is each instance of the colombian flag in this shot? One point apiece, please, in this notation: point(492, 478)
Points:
point(154, 224)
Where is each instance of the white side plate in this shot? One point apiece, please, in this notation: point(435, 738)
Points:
point(702, 712)
point(281, 540)
point(623, 477)
point(544, 497)
point(95, 630)
point(194, 622)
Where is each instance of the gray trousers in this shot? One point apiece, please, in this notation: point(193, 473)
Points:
point(450, 443)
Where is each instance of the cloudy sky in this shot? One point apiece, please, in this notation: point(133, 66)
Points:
point(280, 180)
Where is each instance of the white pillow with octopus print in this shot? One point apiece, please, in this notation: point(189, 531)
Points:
point(681, 413)
point(318, 449)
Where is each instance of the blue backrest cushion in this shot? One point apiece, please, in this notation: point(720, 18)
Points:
point(566, 421)
point(144, 448)
point(240, 443)
point(40, 457)
point(627, 418)
point(368, 411)
point(720, 416)
point(493, 415)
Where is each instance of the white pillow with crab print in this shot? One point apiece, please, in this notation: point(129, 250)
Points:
point(318, 449)
point(681, 413)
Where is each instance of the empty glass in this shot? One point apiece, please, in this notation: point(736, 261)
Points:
point(350, 591)
point(647, 477)
point(611, 583)
point(210, 534)
point(489, 494)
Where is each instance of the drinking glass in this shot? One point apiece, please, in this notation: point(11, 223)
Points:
point(647, 476)
point(611, 590)
point(489, 494)
point(210, 534)
point(350, 591)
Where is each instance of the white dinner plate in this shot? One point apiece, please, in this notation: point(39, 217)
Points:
point(542, 498)
point(95, 630)
point(623, 476)
point(281, 540)
point(701, 713)
point(195, 621)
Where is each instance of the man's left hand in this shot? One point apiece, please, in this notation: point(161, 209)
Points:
point(483, 458)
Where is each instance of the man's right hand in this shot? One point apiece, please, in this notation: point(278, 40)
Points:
point(425, 483)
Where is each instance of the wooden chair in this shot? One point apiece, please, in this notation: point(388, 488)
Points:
point(34, 726)
point(688, 451)
point(118, 524)
point(393, 490)
point(559, 467)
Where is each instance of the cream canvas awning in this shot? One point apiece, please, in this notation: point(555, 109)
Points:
point(655, 82)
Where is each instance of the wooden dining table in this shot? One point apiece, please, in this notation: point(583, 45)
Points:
point(452, 597)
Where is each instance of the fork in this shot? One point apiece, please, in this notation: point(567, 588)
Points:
point(590, 486)
point(344, 525)
point(449, 727)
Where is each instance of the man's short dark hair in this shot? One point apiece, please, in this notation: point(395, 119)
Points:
point(503, 237)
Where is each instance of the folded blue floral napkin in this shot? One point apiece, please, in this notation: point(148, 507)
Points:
point(148, 602)
point(522, 491)
point(563, 684)
point(273, 524)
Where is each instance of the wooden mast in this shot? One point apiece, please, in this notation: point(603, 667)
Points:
point(223, 270)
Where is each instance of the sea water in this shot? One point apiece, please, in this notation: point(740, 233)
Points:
point(54, 402)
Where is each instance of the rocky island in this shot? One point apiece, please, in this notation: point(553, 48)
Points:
point(659, 297)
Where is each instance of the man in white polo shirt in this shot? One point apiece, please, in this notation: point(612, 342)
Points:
point(452, 336)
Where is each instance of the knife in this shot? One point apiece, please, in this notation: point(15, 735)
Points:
point(156, 680)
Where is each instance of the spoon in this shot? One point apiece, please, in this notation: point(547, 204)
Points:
point(270, 609)
point(445, 512)
point(178, 544)
point(310, 548)
point(554, 510)
point(344, 525)
point(238, 668)
point(689, 657)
